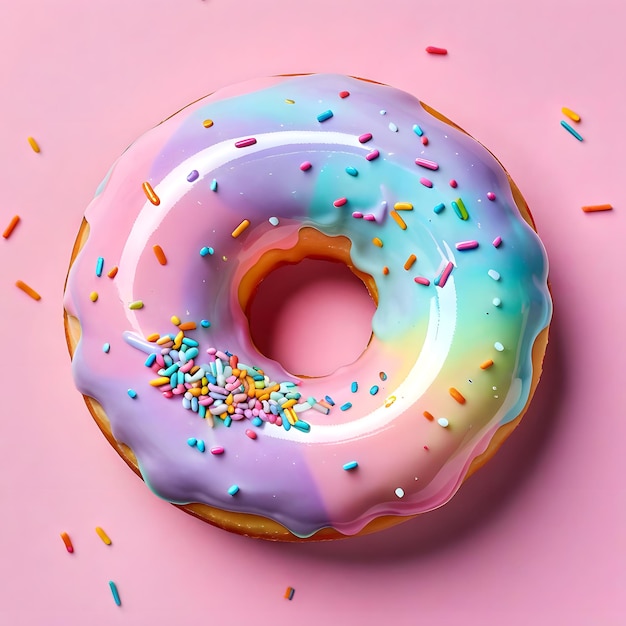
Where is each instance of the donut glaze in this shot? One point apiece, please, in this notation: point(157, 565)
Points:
point(375, 179)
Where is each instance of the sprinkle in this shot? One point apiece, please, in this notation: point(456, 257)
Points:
point(206, 250)
point(207, 123)
point(274, 221)
point(485, 365)
point(289, 101)
point(350, 466)
point(403, 206)
point(374, 390)
point(153, 337)
point(112, 273)
point(443, 422)
point(439, 208)
point(399, 492)
point(137, 304)
point(193, 175)
point(175, 320)
point(132, 393)
point(115, 592)
point(498, 346)
point(497, 242)
point(151, 194)
point(493, 274)
point(467, 245)
point(408, 264)
point(344, 94)
point(383, 112)
point(12, 224)
point(251, 434)
point(365, 137)
point(103, 536)
point(233, 490)
point(496, 302)
point(290, 590)
point(392, 127)
point(429, 165)
point(385, 270)
point(389, 401)
point(107, 347)
point(99, 266)
point(214, 185)
point(205, 323)
point(354, 387)
point(377, 242)
point(436, 50)
point(242, 226)
point(33, 144)
point(571, 114)
point(429, 416)
point(187, 326)
point(352, 171)
point(357, 214)
point(28, 290)
point(570, 130)
point(346, 406)
point(93, 296)
point(417, 130)
point(382, 375)
point(326, 115)
point(306, 165)
point(340, 202)
point(399, 221)
point(457, 395)
point(200, 445)
point(424, 141)
point(422, 280)
point(217, 450)
point(68, 542)
point(453, 183)
point(244, 143)
point(459, 209)
point(329, 400)
point(443, 278)
point(597, 207)
point(491, 196)
point(159, 254)
point(426, 182)
point(371, 156)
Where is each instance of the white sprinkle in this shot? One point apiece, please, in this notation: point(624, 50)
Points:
point(495, 275)
point(399, 492)
point(392, 127)
point(496, 302)
point(383, 112)
point(443, 422)
point(273, 221)
point(498, 346)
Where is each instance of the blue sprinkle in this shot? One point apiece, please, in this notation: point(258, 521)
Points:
point(350, 466)
point(132, 393)
point(115, 592)
point(192, 441)
point(417, 130)
point(205, 323)
point(569, 129)
point(200, 445)
point(352, 171)
point(228, 421)
point(214, 185)
point(193, 175)
point(107, 346)
point(194, 405)
point(233, 490)
point(326, 115)
point(346, 406)
point(191, 353)
point(186, 403)
point(100, 264)
point(150, 360)
point(305, 427)
point(286, 424)
point(202, 411)
point(257, 421)
point(206, 250)
point(374, 389)
point(329, 400)
point(273, 221)
point(439, 208)
point(190, 342)
point(354, 387)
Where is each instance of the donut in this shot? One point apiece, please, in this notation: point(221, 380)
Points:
point(203, 207)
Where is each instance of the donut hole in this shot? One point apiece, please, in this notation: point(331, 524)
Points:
point(313, 316)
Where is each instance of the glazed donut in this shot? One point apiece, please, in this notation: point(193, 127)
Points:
point(199, 210)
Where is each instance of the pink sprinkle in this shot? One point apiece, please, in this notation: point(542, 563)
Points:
point(244, 143)
point(307, 165)
point(278, 421)
point(365, 137)
point(250, 433)
point(344, 94)
point(369, 217)
point(357, 214)
point(426, 182)
point(340, 202)
point(436, 50)
point(467, 245)
point(424, 140)
point(497, 241)
point(422, 280)
point(374, 154)
point(168, 394)
point(159, 360)
point(425, 447)
point(453, 184)
point(211, 351)
point(491, 196)
point(447, 270)
point(430, 165)
point(217, 450)
point(187, 366)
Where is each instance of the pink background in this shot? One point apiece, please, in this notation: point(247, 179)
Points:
point(538, 536)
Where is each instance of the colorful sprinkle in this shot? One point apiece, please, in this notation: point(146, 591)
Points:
point(329, 400)
point(242, 226)
point(453, 183)
point(103, 536)
point(233, 490)
point(115, 592)
point(350, 466)
point(498, 346)
point(244, 143)
point(352, 171)
point(289, 101)
point(382, 375)
point(365, 137)
point(443, 278)
point(150, 193)
point(467, 245)
point(193, 175)
point(570, 130)
point(403, 206)
point(251, 434)
point(34, 145)
point(205, 323)
point(418, 130)
point(274, 221)
point(217, 450)
point(408, 264)
point(436, 50)
point(12, 224)
point(497, 242)
point(112, 273)
point(459, 209)
point(340, 202)
point(485, 365)
point(491, 196)
point(290, 590)
point(398, 220)
point(306, 165)
point(132, 393)
point(443, 422)
point(68, 542)
point(371, 156)
point(422, 280)
point(106, 348)
point(457, 395)
point(493, 274)
point(214, 185)
point(27, 289)
point(326, 115)
point(385, 271)
point(496, 302)
point(99, 266)
point(159, 254)
point(439, 208)
point(424, 141)
point(207, 123)
point(93, 296)
point(354, 387)
point(429, 416)
point(206, 250)
point(571, 114)
point(426, 182)
point(597, 207)
point(377, 242)
point(136, 305)
point(392, 127)
point(399, 492)
point(346, 406)
point(429, 165)
point(374, 390)
point(389, 401)
point(344, 94)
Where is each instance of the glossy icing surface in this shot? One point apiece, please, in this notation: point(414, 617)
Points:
point(477, 292)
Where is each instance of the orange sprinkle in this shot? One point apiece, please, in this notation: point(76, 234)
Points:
point(67, 541)
point(112, 272)
point(207, 123)
point(385, 270)
point(244, 224)
point(399, 221)
point(159, 254)
point(377, 242)
point(457, 395)
point(34, 145)
point(153, 337)
point(12, 224)
point(408, 264)
point(187, 326)
point(486, 364)
point(429, 416)
point(29, 290)
point(151, 194)
point(597, 207)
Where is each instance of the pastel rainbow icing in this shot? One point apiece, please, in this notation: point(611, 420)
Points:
point(285, 153)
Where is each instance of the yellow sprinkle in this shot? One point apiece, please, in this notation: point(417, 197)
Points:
point(408, 264)
point(292, 416)
point(403, 206)
point(151, 194)
point(399, 221)
point(571, 114)
point(195, 391)
point(244, 224)
point(33, 144)
point(207, 123)
point(390, 400)
point(93, 296)
point(175, 320)
point(288, 404)
point(162, 380)
point(161, 341)
point(289, 101)
point(178, 340)
point(27, 289)
point(137, 304)
point(229, 399)
point(153, 337)
point(377, 242)
point(103, 535)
